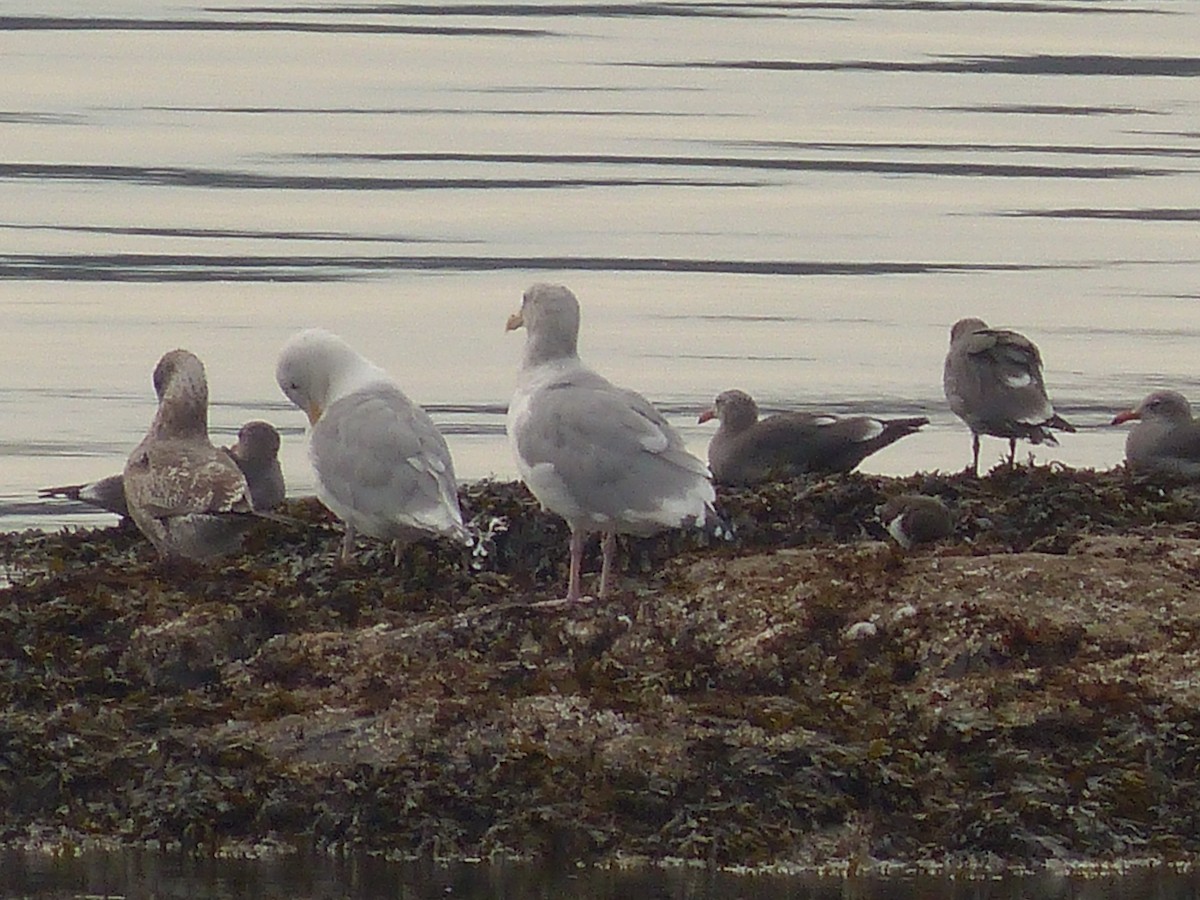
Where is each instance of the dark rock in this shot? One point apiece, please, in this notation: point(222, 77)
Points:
point(799, 693)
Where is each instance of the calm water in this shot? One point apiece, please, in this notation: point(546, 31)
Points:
point(794, 198)
point(142, 876)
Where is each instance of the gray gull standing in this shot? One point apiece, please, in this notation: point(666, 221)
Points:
point(1166, 439)
point(993, 382)
point(600, 456)
point(748, 450)
point(256, 454)
point(187, 496)
point(382, 466)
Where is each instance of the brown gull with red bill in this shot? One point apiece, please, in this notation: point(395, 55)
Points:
point(1166, 439)
point(748, 450)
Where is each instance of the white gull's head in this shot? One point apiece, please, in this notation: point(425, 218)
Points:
point(550, 315)
point(316, 367)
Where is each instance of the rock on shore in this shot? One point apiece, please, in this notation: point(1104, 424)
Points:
point(799, 693)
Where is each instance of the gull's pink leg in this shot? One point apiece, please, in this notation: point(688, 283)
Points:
point(573, 589)
point(608, 547)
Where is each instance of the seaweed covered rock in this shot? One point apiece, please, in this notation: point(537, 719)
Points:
point(788, 688)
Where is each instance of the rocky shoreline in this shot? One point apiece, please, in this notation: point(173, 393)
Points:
point(799, 694)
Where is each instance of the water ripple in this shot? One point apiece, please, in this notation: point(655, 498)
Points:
point(148, 267)
point(540, 10)
point(1141, 215)
point(943, 147)
point(959, 169)
point(1047, 109)
point(231, 234)
point(170, 176)
point(807, 8)
point(62, 23)
point(1038, 64)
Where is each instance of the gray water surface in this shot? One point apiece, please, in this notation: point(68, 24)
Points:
point(793, 198)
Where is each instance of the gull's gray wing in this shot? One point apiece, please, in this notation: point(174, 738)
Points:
point(384, 466)
point(611, 453)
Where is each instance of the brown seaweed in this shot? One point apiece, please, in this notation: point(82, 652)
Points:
point(784, 688)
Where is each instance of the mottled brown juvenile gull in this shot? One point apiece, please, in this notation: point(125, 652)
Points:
point(187, 496)
point(1166, 439)
point(913, 519)
point(748, 450)
point(256, 454)
point(600, 456)
point(993, 382)
point(382, 466)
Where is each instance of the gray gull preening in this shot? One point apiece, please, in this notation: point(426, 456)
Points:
point(600, 456)
point(993, 382)
point(382, 466)
point(748, 450)
point(913, 519)
point(256, 454)
point(1166, 439)
point(187, 496)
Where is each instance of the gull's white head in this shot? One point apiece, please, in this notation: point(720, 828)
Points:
point(550, 315)
point(316, 367)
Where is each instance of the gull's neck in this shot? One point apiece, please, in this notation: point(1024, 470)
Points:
point(355, 376)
